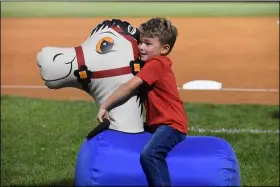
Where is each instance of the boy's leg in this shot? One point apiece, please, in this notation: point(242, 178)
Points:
point(153, 156)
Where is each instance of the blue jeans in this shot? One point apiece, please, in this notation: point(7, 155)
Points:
point(153, 156)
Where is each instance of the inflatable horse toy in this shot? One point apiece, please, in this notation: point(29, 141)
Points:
point(110, 155)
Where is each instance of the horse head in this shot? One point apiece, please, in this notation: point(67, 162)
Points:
point(98, 66)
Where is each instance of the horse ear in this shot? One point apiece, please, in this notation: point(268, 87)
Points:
point(133, 31)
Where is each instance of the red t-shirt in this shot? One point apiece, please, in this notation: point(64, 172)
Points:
point(162, 101)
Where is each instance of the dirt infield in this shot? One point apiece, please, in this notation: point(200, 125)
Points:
point(242, 53)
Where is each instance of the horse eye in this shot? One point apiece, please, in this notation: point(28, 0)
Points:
point(104, 45)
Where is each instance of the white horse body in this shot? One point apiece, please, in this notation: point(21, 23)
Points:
point(126, 117)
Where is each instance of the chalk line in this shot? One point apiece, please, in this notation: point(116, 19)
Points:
point(195, 128)
point(249, 90)
point(179, 88)
point(23, 87)
point(234, 131)
point(233, 89)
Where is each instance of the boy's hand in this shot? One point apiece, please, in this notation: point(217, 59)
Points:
point(103, 113)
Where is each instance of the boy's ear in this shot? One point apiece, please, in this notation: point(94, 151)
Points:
point(165, 49)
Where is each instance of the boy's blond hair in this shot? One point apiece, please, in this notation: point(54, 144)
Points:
point(161, 28)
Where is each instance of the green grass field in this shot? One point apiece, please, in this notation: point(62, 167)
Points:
point(40, 139)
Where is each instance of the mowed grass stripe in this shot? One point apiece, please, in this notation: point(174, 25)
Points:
point(40, 139)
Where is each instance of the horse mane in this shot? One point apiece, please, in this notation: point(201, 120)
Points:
point(124, 25)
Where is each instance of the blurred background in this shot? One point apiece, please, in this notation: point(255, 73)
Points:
point(233, 43)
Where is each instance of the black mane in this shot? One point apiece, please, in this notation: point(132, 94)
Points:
point(124, 25)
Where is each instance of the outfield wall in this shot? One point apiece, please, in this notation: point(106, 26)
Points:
point(138, 9)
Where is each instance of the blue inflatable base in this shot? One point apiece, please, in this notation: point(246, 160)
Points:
point(112, 159)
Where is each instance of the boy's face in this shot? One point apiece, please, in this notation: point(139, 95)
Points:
point(150, 47)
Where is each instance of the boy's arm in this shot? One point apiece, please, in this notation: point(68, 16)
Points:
point(121, 93)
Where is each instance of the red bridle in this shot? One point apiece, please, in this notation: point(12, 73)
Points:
point(110, 72)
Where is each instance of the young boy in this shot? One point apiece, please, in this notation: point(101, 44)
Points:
point(164, 110)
